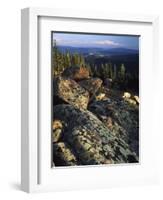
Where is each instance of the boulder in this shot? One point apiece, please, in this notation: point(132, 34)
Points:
point(57, 130)
point(126, 95)
point(57, 135)
point(90, 139)
point(130, 101)
point(76, 73)
point(62, 155)
point(92, 85)
point(69, 91)
point(121, 118)
point(100, 96)
point(57, 124)
point(136, 98)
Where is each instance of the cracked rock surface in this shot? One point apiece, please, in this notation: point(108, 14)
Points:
point(92, 124)
point(89, 139)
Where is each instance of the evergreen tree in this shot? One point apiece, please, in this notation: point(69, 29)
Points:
point(96, 72)
point(110, 71)
point(81, 60)
point(102, 71)
point(76, 59)
point(106, 71)
point(115, 72)
point(89, 68)
point(122, 72)
point(67, 59)
point(54, 57)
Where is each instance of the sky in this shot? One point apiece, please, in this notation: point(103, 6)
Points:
point(96, 40)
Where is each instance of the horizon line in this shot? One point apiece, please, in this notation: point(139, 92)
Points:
point(102, 47)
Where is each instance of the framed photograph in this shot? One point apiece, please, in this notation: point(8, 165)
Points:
point(87, 114)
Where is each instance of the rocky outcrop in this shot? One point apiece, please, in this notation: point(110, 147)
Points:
point(69, 91)
point(126, 95)
point(100, 96)
point(62, 155)
point(121, 118)
point(76, 73)
point(92, 85)
point(88, 139)
point(137, 99)
point(57, 130)
point(93, 124)
point(131, 99)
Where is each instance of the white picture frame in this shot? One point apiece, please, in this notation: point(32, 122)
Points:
point(36, 171)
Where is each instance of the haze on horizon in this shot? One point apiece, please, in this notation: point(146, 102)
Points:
point(96, 40)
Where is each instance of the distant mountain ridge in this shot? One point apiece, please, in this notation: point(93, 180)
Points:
point(97, 50)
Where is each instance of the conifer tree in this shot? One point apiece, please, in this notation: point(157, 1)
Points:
point(115, 72)
point(102, 70)
point(122, 71)
point(110, 71)
point(106, 71)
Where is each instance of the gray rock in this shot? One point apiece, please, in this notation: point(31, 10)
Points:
point(57, 135)
point(137, 99)
point(121, 118)
point(90, 139)
point(92, 85)
point(70, 92)
point(57, 130)
point(62, 155)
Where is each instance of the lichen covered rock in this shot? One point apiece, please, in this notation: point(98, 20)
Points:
point(137, 99)
point(70, 92)
point(62, 155)
point(57, 130)
point(89, 139)
point(121, 118)
point(92, 85)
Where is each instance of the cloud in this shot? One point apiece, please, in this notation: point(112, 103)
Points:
point(85, 42)
point(91, 43)
point(71, 42)
point(107, 43)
